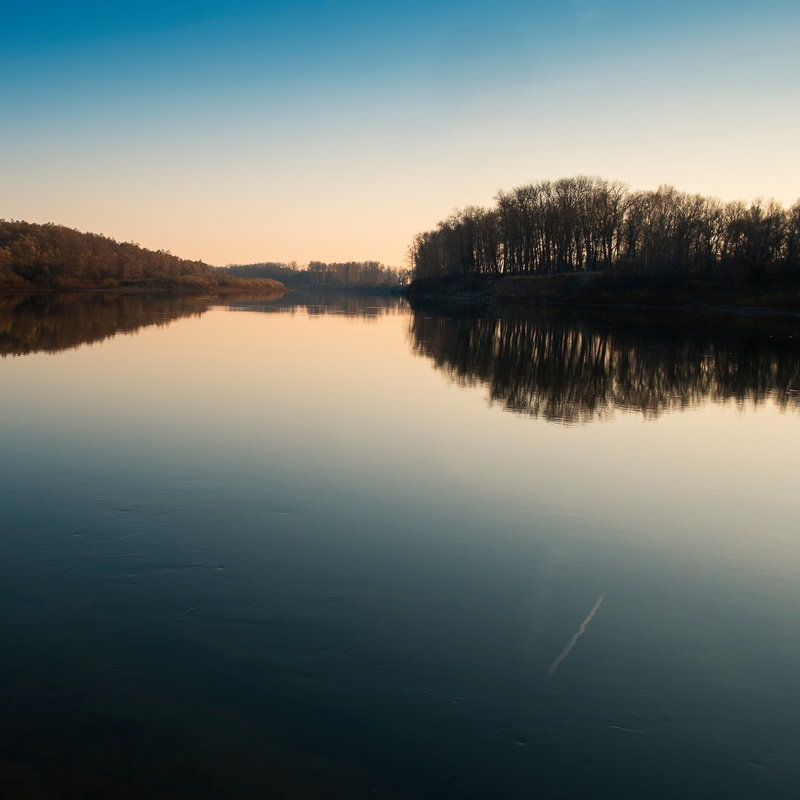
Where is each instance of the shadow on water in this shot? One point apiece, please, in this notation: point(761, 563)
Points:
point(572, 367)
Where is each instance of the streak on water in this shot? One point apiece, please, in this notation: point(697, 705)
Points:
point(571, 643)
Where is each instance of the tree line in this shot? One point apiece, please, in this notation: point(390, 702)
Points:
point(587, 224)
point(320, 273)
point(54, 257)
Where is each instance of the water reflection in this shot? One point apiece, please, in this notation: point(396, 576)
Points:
point(564, 366)
point(53, 322)
point(578, 367)
point(321, 303)
point(253, 550)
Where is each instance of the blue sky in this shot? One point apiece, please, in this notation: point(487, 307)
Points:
point(246, 131)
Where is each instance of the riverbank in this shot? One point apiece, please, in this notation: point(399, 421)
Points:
point(611, 290)
point(232, 286)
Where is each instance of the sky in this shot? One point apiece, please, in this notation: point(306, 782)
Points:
point(243, 131)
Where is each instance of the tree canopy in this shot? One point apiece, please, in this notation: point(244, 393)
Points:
point(588, 224)
point(52, 256)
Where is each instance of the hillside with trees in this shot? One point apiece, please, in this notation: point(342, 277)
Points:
point(585, 226)
point(53, 257)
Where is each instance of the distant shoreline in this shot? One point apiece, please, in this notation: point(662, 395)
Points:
point(55, 258)
point(267, 288)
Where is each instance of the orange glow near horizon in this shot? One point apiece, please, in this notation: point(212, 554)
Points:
point(336, 158)
point(266, 231)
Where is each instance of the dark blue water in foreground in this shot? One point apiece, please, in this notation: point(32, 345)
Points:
point(340, 548)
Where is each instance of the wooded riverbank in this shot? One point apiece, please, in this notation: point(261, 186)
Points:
point(781, 294)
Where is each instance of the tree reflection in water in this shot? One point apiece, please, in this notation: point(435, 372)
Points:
point(322, 303)
point(50, 322)
point(573, 367)
point(565, 366)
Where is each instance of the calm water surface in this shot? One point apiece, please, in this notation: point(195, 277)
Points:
point(337, 547)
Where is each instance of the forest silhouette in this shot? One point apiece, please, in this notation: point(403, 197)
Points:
point(588, 225)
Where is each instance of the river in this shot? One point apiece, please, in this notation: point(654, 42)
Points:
point(335, 546)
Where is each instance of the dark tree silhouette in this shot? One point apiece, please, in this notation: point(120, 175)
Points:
point(583, 224)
